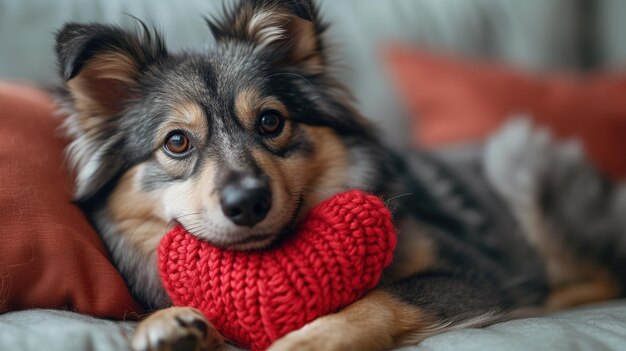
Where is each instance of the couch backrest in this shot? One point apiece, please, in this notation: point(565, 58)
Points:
point(534, 34)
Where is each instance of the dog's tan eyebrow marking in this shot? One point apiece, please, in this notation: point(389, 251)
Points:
point(186, 116)
point(250, 102)
point(245, 105)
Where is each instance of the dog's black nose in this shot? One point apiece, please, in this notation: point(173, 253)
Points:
point(246, 203)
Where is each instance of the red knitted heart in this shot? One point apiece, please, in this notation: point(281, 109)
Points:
point(253, 298)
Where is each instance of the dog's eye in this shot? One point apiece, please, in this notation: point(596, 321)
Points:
point(270, 122)
point(177, 143)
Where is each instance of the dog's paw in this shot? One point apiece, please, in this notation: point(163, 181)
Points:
point(176, 329)
point(318, 335)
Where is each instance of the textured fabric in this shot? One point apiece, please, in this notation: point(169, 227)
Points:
point(37, 330)
point(50, 257)
point(454, 101)
point(595, 328)
point(253, 298)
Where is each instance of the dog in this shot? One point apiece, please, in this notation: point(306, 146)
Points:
point(237, 142)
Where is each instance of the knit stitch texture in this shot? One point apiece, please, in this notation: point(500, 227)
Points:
point(337, 254)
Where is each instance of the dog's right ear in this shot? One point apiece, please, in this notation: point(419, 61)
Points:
point(101, 66)
point(289, 31)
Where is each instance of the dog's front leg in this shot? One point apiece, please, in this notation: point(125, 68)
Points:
point(176, 329)
point(379, 321)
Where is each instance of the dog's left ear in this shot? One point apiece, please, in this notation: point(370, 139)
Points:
point(102, 66)
point(288, 31)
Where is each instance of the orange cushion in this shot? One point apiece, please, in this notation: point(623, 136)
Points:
point(454, 101)
point(50, 257)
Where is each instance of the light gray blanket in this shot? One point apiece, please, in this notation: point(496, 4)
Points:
point(595, 328)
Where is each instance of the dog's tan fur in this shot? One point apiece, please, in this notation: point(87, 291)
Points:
point(376, 322)
point(137, 214)
point(417, 254)
point(600, 285)
point(573, 280)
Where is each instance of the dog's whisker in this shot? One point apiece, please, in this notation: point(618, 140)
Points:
point(179, 218)
point(397, 197)
point(187, 215)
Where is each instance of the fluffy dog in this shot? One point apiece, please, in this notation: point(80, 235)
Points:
point(237, 142)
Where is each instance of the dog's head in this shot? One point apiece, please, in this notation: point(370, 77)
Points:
point(235, 143)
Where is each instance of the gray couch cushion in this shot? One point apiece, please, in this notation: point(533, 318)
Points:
point(597, 328)
point(61, 331)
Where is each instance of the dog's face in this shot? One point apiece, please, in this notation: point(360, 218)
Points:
point(234, 143)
